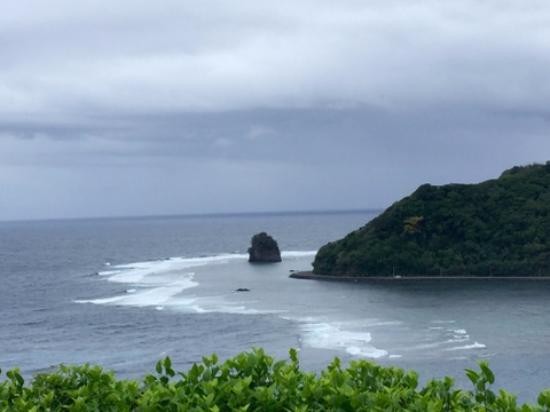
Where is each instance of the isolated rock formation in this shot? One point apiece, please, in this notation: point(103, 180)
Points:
point(264, 249)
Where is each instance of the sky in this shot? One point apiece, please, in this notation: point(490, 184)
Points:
point(173, 107)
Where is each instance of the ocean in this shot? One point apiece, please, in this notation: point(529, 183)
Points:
point(124, 292)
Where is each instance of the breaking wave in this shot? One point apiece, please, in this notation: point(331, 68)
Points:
point(160, 283)
point(332, 336)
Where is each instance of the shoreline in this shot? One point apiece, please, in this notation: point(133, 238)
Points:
point(309, 275)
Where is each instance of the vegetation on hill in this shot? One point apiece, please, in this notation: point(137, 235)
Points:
point(253, 381)
point(498, 227)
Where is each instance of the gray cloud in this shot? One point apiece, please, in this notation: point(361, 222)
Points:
point(138, 108)
point(219, 56)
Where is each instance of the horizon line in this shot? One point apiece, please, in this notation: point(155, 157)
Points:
point(206, 214)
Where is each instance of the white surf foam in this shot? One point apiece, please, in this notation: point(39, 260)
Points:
point(458, 335)
point(458, 340)
point(156, 283)
point(144, 272)
point(154, 295)
point(448, 338)
point(331, 336)
point(139, 271)
point(297, 254)
point(475, 345)
point(219, 304)
point(159, 284)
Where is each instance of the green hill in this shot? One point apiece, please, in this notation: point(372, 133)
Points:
point(497, 227)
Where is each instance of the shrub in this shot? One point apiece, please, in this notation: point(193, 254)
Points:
point(254, 381)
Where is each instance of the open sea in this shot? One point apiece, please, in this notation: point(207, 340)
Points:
point(125, 292)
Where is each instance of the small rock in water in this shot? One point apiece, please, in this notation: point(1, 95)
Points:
point(264, 249)
point(242, 290)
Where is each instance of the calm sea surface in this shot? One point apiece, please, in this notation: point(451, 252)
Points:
point(125, 292)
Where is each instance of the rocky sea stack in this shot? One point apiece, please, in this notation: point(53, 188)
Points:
point(500, 227)
point(264, 249)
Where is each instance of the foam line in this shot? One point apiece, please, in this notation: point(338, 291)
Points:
point(152, 296)
point(157, 283)
point(331, 336)
point(475, 345)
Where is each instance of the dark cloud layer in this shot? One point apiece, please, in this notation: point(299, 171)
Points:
point(185, 107)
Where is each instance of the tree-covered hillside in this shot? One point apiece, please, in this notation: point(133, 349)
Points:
point(497, 227)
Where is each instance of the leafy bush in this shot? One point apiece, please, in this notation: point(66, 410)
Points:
point(253, 381)
point(498, 227)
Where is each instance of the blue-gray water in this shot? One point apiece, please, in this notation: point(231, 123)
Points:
point(125, 292)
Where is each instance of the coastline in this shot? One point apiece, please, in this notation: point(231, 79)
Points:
point(309, 275)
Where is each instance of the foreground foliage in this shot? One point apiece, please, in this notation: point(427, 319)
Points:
point(498, 227)
point(253, 381)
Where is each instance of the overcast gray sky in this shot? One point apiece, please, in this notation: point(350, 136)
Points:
point(140, 107)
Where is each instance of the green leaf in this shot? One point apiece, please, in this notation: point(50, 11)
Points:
point(487, 373)
point(473, 376)
point(293, 353)
point(168, 367)
point(544, 398)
